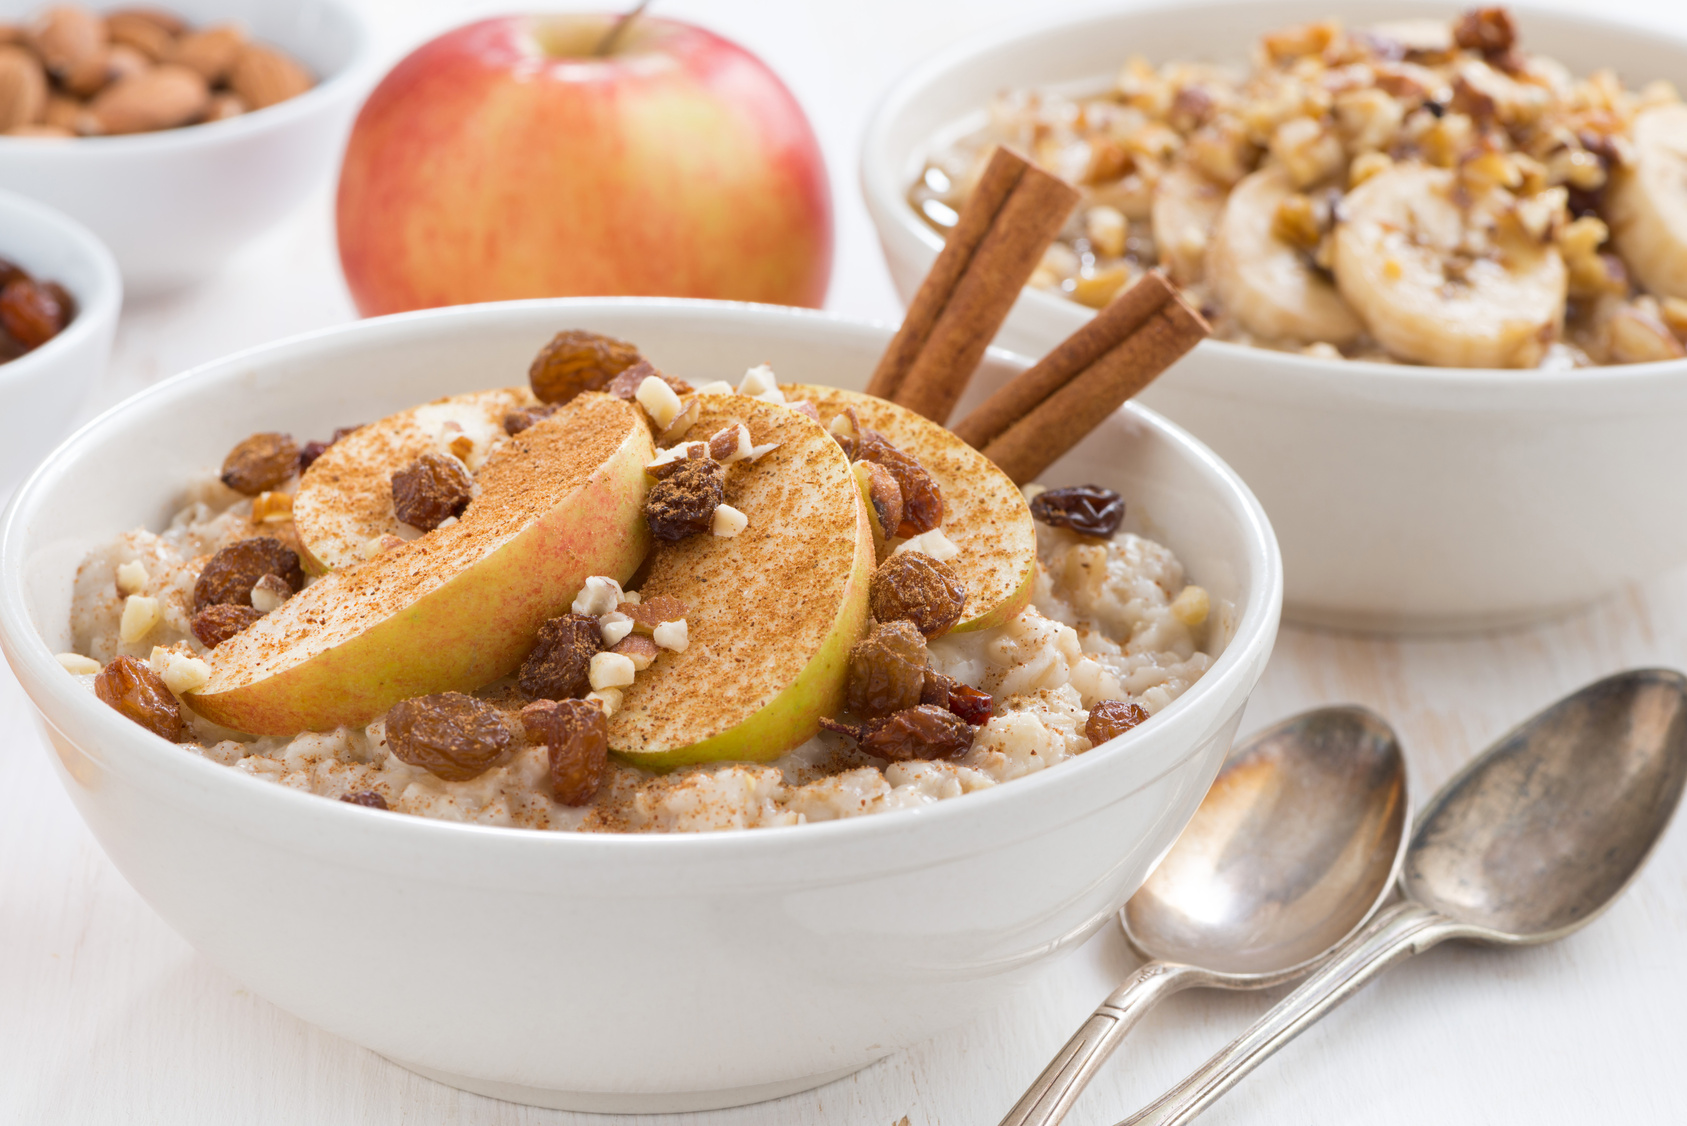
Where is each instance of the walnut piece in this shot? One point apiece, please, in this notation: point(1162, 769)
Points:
point(261, 462)
point(626, 384)
point(450, 735)
point(431, 490)
point(559, 665)
point(233, 571)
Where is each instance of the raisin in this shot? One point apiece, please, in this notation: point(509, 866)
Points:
point(626, 384)
point(30, 312)
point(683, 503)
point(430, 490)
point(885, 495)
point(368, 798)
point(523, 417)
point(921, 732)
point(233, 572)
point(922, 501)
point(1087, 509)
point(453, 736)
point(1488, 30)
point(559, 664)
point(576, 361)
point(971, 704)
point(10, 271)
point(313, 450)
point(138, 693)
point(576, 734)
point(1110, 719)
point(220, 621)
point(261, 462)
point(938, 686)
point(887, 670)
point(63, 296)
point(912, 586)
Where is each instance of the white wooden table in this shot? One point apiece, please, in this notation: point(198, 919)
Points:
point(106, 1016)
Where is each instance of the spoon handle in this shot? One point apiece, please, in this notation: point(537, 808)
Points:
point(1403, 930)
point(1047, 1100)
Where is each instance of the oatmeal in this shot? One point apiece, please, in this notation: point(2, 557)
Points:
point(1419, 192)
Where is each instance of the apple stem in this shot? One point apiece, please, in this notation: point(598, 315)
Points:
point(622, 22)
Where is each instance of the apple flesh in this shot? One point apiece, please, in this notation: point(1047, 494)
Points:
point(771, 612)
point(984, 513)
point(344, 499)
point(504, 160)
point(459, 607)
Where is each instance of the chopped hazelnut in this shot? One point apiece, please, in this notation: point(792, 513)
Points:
point(658, 401)
point(78, 665)
point(140, 615)
point(672, 635)
point(269, 592)
point(611, 670)
point(598, 596)
point(183, 673)
point(728, 521)
point(638, 648)
point(614, 626)
point(132, 577)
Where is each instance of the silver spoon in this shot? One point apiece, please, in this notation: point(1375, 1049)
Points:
point(1530, 842)
point(1297, 843)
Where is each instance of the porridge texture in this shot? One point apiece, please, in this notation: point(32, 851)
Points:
point(1423, 192)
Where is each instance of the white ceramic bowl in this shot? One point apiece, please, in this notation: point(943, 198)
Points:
point(604, 972)
point(41, 391)
point(174, 205)
point(1404, 497)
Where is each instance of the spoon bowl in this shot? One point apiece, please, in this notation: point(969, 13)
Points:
point(1290, 852)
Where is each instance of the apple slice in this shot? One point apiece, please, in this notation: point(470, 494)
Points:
point(984, 513)
point(458, 607)
point(771, 612)
point(345, 497)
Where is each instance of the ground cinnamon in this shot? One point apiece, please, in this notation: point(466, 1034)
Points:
point(1010, 219)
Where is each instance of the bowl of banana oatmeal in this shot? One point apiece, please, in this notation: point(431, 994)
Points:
point(1440, 249)
point(320, 678)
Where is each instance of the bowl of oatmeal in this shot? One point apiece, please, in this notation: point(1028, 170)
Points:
point(184, 169)
point(63, 308)
point(893, 895)
point(1434, 245)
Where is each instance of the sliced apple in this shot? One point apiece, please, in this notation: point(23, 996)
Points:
point(771, 612)
point(458, 607)
point(984, 513)
point(345, 497)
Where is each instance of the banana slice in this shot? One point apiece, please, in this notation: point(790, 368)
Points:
point(1186, 205)
point(1264, 282)
point(1447, 283)
point(1646, 205)
point(345, 498)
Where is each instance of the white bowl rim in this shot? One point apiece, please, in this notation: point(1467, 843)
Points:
point(344, 81)
point(884, 192)
point(1255, 628)
point(95, 308)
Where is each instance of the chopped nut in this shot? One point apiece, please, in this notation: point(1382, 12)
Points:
point(369, 799)
point(140, 615)
point(884, 496)
point(1296, 222)
point(431, 490)
point(683, 503)
point(634, 597)
point(576, 735)
point(374, 545)
point(185, 674)
point(139, 694)
point(1488, 30)
point(598, 596)
point(132, 577)
point(269, 592)
point(611, 670)
point(233, 571)
point(220, 621)
point(672, 635)
point(728, 521)
point(1088, 509)
point(731, 444)
point(576, 361)
point(609, 699)
point(639, 649)
point(78, 665)
point(912, 586)
point(668, 460)
point(804, 407)
point(261, 462)
point(1107, 228)
point(715, 387)
point(452, 736)
point(272, 508)
point(1110, 719)
point(681, 425)
point(614, 626)
point(524, 417)
point(933, 543)
point(758, 381)
point(658, 401)
point(647, 614)
point(1191, 606)
point(626, 385)
point(559, 665)
point(887, 670)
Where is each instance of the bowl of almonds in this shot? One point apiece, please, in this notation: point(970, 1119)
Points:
point(176, 134)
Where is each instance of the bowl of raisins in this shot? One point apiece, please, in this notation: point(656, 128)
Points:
point(59, 296)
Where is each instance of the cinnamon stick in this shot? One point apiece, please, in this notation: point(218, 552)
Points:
point(1012, 216)
point(1045, 432)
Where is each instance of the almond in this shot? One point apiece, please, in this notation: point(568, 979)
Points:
point(170, 23)
point(210, 52)
point(39, 130)
point(144, 34)
point(62, 111)
point(23, 88)
point(161, 98)
point(225, 106)
point(123, 61)
point(264, 76)
point(70, 40)
point(88, 76)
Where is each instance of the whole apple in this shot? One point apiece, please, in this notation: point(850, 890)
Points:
point(505, 160)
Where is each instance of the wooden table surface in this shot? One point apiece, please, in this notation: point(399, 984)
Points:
point(106, 1016)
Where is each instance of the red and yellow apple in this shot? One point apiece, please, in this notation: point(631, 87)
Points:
point(505, 159)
